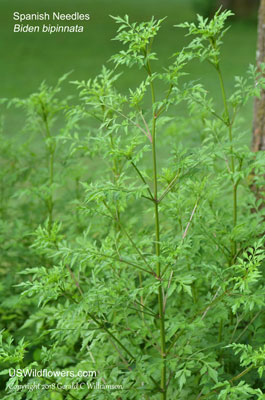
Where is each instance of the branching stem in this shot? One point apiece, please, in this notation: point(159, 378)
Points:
point(229, 124)
point(51, 150)
point(157, 245)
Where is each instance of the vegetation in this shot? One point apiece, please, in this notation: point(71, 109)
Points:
point(124, 250)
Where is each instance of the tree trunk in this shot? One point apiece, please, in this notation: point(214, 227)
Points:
point(258, 133)
point(258, 137)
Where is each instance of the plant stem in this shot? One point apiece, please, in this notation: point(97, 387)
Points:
point(51, 149)
point(248, 325)
point(169, 187)
point(128, 237)
point(142, 178)
point(235, 378)
point(77, 194)
point(122, 261)
point(157, 248)
point(116, 174)
point(51, 204)
point(99, 323)
point(229, 124)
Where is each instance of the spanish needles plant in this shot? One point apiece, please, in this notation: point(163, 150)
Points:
point(160, 286)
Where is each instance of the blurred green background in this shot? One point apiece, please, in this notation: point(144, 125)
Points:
point(29, 58)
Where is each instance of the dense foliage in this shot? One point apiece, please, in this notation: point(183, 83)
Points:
point(124, 250)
